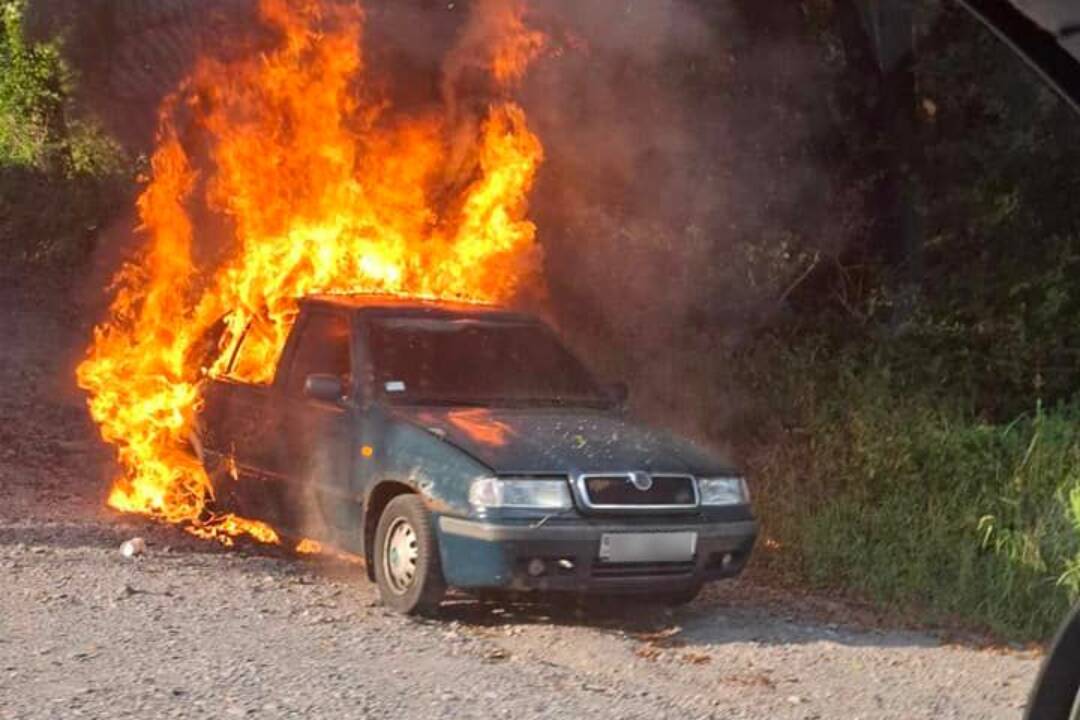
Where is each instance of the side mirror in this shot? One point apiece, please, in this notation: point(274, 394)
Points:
point(327, 388)
point(618, 393)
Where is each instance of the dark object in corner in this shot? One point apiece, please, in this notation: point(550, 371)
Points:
point(1055, 694)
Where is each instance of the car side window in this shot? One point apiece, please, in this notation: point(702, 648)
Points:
point(323, 348)
point(256, 357)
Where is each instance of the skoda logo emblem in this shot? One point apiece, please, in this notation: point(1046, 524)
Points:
point(642, 481)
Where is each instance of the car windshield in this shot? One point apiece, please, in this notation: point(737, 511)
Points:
point(477, 362)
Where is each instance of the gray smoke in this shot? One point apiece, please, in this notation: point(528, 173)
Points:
point(679, 199)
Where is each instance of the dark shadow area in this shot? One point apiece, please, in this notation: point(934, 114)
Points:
point(699, 625)
point(627, 614)
point(51, 218)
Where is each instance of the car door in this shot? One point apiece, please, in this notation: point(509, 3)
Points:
point(239, 423)
point(317, 435)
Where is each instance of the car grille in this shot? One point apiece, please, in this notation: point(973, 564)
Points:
point(619, 490)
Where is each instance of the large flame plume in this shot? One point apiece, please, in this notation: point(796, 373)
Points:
point(322, 186)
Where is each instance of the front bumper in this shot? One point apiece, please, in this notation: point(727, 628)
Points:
point(477, 554)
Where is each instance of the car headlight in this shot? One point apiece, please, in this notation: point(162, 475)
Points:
point(723, 491)
point(546, 494)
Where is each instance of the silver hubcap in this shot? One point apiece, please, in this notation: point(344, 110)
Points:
point(400, 555)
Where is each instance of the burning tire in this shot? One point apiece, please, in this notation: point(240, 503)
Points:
point(407, 568)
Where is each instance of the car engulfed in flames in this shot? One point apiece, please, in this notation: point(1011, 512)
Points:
point(313, 182)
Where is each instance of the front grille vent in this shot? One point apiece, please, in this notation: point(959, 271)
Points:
point(631, 490)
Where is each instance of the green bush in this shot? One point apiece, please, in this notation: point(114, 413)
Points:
point(61, 176)
point(908, 499)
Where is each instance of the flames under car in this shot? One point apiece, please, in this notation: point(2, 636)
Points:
point(463, 446)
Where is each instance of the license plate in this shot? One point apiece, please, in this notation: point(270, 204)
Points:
point(648, 547)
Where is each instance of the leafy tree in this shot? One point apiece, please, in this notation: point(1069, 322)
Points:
point(61, 176)
point(33, 88)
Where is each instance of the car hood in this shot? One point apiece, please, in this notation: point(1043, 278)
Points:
point(562, 441)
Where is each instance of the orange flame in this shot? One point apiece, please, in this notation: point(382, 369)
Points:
point(323, 187)
point(512, 45)
point(480, 426)
point(307, 546)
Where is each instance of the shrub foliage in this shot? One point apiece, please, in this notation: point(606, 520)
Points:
point(61, 176)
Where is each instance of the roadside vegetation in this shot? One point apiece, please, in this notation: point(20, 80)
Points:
point(923, 441)
point(61, 176)
point(874, 301)
point(902, 495)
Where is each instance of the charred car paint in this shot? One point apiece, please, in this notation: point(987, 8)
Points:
point(376, 398)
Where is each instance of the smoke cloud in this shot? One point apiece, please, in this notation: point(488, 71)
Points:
point(678, 199)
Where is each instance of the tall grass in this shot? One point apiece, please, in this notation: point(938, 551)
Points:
point(906, 498)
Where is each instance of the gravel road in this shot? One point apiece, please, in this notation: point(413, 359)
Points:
point(190, 629)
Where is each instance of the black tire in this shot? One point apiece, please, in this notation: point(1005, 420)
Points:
point(420, 592)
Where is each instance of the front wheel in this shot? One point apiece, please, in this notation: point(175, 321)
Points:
point(407, 567)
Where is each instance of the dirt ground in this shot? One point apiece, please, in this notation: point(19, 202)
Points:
point(190, 629)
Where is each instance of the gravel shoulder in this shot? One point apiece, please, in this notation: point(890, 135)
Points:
point(190, 629)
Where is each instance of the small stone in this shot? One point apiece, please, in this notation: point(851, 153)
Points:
point(497, 655)
point(795, 699)
point(133, 547)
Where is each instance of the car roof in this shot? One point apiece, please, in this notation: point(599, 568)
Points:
point(398, 306)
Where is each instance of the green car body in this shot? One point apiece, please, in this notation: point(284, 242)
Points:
point(321, 454)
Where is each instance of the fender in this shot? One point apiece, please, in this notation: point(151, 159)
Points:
point(412, 460)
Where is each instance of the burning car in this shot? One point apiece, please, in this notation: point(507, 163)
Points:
point(463, 446)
